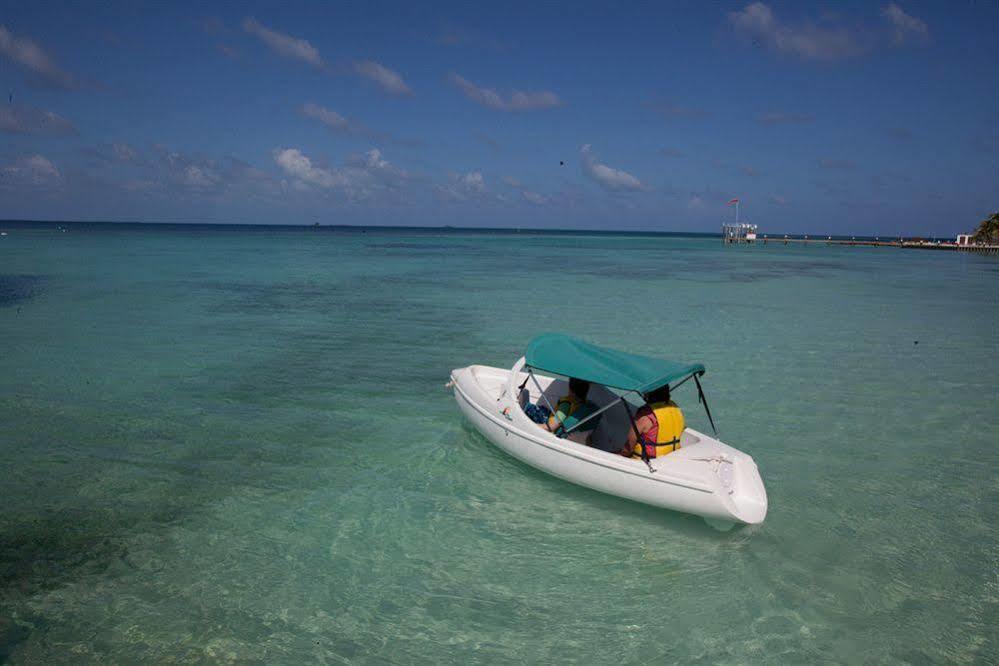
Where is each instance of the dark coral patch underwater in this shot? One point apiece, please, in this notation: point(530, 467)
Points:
point(19, 288)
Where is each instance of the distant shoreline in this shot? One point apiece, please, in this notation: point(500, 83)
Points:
point(6, 225)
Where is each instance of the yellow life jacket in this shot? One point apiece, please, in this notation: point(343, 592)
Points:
point(574, 403)
point(665, 436)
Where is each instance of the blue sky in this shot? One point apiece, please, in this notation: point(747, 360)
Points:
point(866, 118)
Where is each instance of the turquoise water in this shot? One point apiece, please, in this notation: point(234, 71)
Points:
point(236, 445)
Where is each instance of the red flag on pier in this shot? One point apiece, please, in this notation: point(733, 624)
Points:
point(733, 201)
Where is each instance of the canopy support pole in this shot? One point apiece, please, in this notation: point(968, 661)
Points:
point(638, 437)
point(593, 415)
point(702, 399)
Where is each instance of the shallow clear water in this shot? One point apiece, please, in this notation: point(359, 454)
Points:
point(236, 445)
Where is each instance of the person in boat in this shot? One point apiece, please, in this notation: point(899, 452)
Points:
point(571, 409)
point(658, 425)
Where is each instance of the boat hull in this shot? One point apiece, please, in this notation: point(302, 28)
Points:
point(705, 477)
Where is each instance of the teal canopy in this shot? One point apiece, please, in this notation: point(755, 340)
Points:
point(569, 357)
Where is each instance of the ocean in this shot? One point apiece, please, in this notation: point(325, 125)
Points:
point(235, 445)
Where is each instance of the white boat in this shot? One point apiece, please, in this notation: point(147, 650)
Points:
point(703, 476)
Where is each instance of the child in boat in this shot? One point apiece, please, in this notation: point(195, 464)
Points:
point(569, 410)
point(659, 423)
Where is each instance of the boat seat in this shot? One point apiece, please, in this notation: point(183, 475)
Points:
point(612, 431)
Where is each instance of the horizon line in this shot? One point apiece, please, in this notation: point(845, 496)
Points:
point(532, 230)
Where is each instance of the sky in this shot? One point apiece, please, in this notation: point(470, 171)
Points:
point(839, 118)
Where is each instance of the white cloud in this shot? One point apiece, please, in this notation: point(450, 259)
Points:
point(828, 39)
point(30, 171)
point(283, 44)
point(198, 176)
point(340, 124)
point(534, 198)
point(373, 160)
point(473, 182)
point(526, 194)
point(516, 101)
point(904, 26)
point(378, 170)
point(387, 79)
point(124, 152)
point(33, 57)
point(390, 81)
point(297, 165)
point(16, 119)
point(189, 172)
point(463, 187)
point(117, 153)
point(331, 119)
point(364, 177)
point(41, 167)
point(607, 177)
point(778, 200)
point(806, 40)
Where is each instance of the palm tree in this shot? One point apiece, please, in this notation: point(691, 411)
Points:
point(988, 230)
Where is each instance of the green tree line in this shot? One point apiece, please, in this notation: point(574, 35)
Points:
point(988, 230)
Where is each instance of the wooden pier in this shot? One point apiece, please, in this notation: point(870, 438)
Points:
point(901, 242)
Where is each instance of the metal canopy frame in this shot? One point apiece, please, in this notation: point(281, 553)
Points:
point(565, 431)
